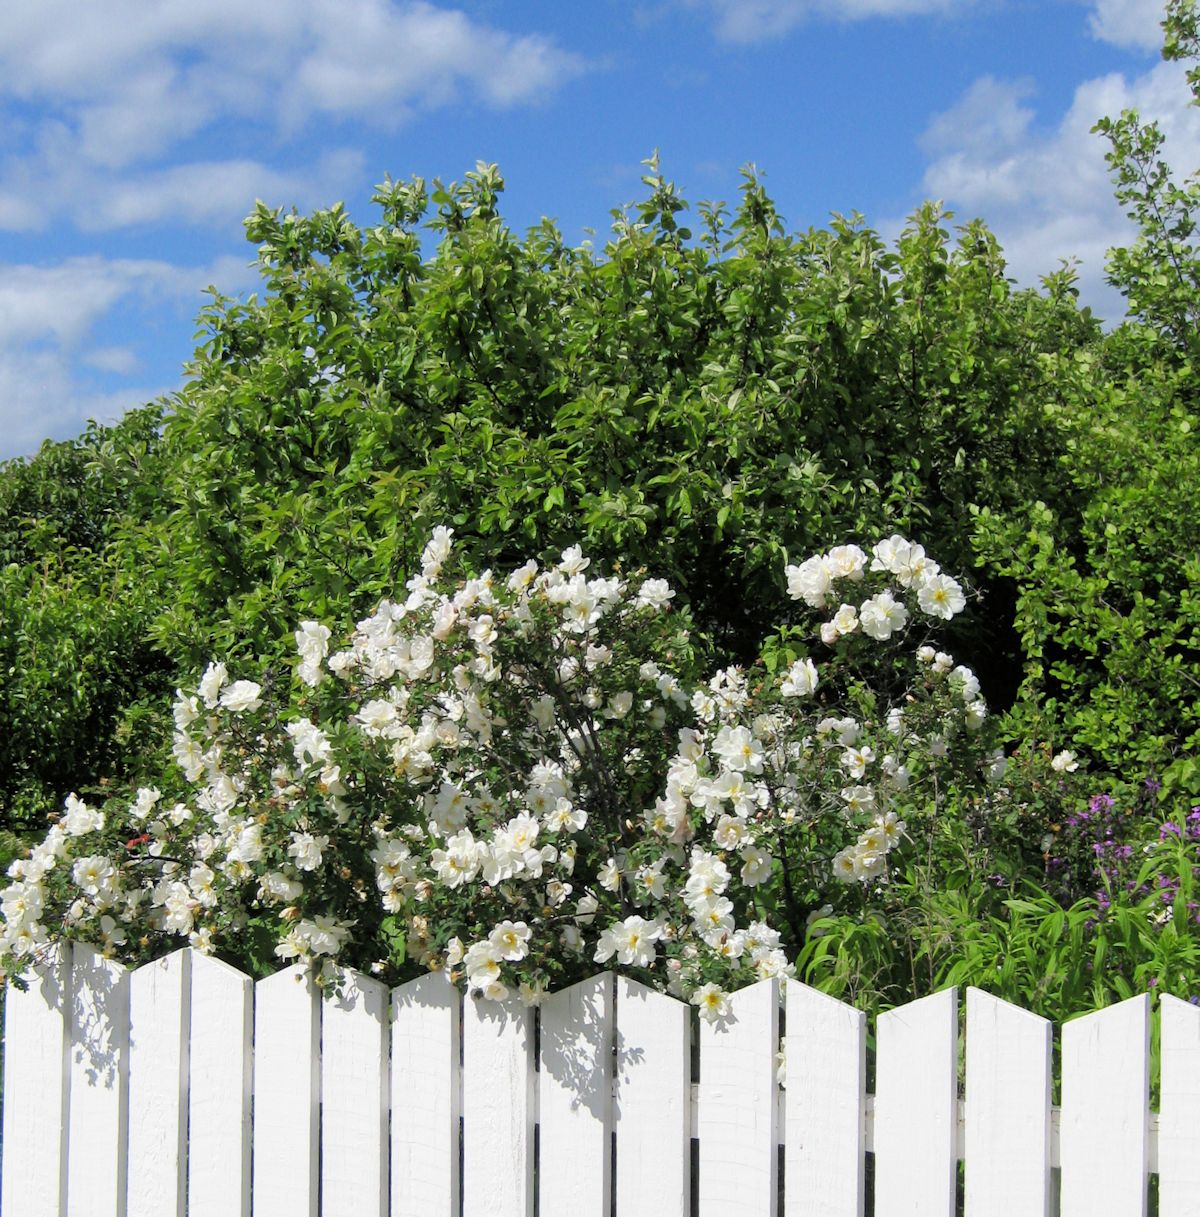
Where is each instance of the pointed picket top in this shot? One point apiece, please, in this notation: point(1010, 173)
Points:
point(652, 1110)
point(498, 1107)
point(287, 1094)
point(825, 1063)
point(575, 1099)
point(737, 1114)
point(222, 1073)
point(354, 1098)
point(1008, 1130)
point(159, 1039)
point(99, 1085)
point(1179, 1109)
point(916, 1108)
point(1104, 1132)
point(37, 1035)
point(425, 1097)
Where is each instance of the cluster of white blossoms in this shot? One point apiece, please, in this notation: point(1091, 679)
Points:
point(918, 579)
point(515, 780)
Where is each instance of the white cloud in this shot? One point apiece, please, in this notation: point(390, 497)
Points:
point(1047, 193)
point(204, 192)
point(1132, 24)
point(121, 86)
point(40, 399)
point(120, 360)
point(48, 315)
point(748, 21)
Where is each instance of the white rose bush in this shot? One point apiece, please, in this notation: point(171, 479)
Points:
point(518, 778)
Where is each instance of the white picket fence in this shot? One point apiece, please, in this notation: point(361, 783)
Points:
point(185, 1088)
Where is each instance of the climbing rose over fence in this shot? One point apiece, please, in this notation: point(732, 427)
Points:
point(517, 777)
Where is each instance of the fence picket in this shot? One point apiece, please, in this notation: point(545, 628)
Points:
point(287, 1094)
point(37, 1029)
point(652, 1114)
point(1104, 1137)
point(1007, 1141)
point(575, 1100)
point(826, 1066)
point(354, 1099)
point(159, 1017)
point(737, 1114)
point(498, 1108)
point(1179, 1118)
point(425, 1098)
point(916, 1108)
point(221, 1083)
point(98, 1118)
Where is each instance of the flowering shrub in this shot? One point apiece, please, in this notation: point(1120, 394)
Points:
point(519, 778)
point(1104, 851)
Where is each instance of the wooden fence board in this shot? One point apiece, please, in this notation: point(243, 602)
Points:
point(575, 1100)
point(159, 1033)
point(498, 1108)
point(222, 1076)
point(99, 1085)
point(37, 1039)
point(824, 1101)
point(653, 1106)
point(1179, 1118)
point(287, 1095)
point(916, 1108)
point(425, 1097)
point(737, 1118)
point(1104, 1138)
point(1007, 1134)
point(354, 1099)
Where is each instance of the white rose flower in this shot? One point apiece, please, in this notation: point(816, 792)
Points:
point(241, 695)
point(940, 596)
point(1064, 762)
point(810, 582)
point(307, 850)
point(882, 615)
point(654, 594)
point(211, 682)
point(713, 1002)
point(846, 562)
point(801, 679)
point(631, 940)
point(510, 940)
point(80, 818)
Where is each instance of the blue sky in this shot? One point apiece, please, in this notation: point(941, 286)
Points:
point(135, 135)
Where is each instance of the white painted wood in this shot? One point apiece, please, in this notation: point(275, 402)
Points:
point(287, 1094)
point(98, 1118)
point(1007, 1134)
point(425, 1097)
point(354, 1099)
point(222, 1075)
point(653, 1108)
point(1103, 1142)
point(825, 1044)
point(737, 1119)
point(1179, 1109)
point(916, 1108)
point(575, 1100)
point(159, 1017)
point(37, 1037)
point(498, 1108)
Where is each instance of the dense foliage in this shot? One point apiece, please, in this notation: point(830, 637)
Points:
point(708, 403)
